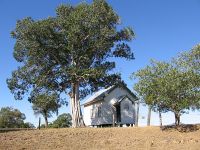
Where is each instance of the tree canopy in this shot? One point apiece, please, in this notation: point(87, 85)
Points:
point(70, 52)
point(189, 61)
point(13, 118)
point(168, 86)
point(62, 121)
point(46, 104)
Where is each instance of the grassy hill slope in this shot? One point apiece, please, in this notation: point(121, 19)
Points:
point(102, 138)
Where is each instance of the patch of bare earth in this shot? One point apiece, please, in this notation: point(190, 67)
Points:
point(102, 138)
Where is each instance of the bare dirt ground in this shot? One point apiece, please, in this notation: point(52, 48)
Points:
point(103, 138)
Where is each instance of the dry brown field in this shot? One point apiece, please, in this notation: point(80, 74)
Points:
point(141, 138)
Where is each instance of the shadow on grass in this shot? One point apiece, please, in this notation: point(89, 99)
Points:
point(181, 128)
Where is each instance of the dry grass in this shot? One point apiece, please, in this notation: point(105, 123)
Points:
point(102, 138)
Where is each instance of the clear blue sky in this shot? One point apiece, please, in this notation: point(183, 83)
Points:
point(163, 29)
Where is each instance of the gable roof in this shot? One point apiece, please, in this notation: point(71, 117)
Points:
point(98, 96)
point(121, 98)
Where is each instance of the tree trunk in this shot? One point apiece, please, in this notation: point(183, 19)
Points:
point(149, 116)
point(137, 114)
point(177, 118)
point(72, 108)
point(77, 120)
point(39, 123)
point(46, 120)
point(160, 118)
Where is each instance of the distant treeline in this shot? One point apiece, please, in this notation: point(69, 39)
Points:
point(13, 119)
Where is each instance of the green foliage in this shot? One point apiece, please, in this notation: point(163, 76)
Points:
point(73, 46)
point(63, 121)
point(190, 62)
point(46, 104)
point(168, 86)
point(13, 118)
point(69, 53)
point(150, 84)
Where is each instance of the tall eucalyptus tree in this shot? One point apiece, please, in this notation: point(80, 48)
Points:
point(70, 52)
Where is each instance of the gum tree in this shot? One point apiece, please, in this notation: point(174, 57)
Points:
point(148, 86)
point(167, 87)
point(189, 61)
point(70, 53)
point(46, 104)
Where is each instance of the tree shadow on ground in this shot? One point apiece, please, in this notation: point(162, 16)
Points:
point(181, 128)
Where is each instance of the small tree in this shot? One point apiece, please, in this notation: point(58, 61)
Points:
point(46, 104)
point(11, 118)
point(63, 121)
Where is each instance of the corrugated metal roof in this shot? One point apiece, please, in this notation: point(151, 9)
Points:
point(102, 93)
point(97, 95)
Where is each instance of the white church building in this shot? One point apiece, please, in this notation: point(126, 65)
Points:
point(112, 106)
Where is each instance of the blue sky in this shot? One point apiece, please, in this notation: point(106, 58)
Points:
point(162, 28)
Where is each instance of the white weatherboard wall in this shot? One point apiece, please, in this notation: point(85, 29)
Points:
point(107, 109)
point(127, 116)
point(87, 115)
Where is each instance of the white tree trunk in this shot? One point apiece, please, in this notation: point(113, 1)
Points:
point(72, 108)
point(77, 119)
point(149, 116)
